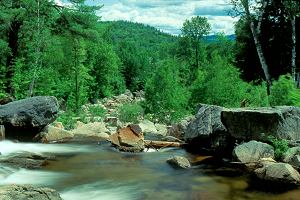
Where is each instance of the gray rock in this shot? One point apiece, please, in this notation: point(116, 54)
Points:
point(295, 161)
point(25, 118)
point(26, 160)
point(290, 153)
point(161, 129)
point(147, 127)
point(207, 128)
point(26, 192)
point(253, 151)
point(282, 122)
point(178, 129)
point(217, 129)
point(179, 162)
point(279, 173)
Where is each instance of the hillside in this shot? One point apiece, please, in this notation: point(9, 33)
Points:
point(143, 35)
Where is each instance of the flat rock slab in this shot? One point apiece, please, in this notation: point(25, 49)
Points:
point(25, 118)
point(26, 192)
point(282, 122)
point(26, 160)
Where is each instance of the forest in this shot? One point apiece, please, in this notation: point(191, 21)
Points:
point(70, 53)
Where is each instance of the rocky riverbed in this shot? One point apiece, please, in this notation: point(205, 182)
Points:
point(221, 142)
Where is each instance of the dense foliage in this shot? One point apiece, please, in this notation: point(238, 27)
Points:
point(76, 57)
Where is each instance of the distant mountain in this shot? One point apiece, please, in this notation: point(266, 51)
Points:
point(212, 38)
point(142, 35)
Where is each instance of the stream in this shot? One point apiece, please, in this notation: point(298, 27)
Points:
point(99, 172)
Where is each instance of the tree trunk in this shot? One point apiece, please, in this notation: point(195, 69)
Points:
point(197, 56)
point(261, 56)
point(76, 75)
point(293, 58)
point(255, 33)
point(13, 38)
point(37, 54)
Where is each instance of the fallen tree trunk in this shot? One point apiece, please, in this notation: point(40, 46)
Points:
point(162, 144)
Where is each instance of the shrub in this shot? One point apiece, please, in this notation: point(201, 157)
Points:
point(280, 146)
point(68, 119)
point(219, 83)
point(130, 112)
point(284, 92)
point(97, 112)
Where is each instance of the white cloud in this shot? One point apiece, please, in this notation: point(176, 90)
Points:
point(169, 15)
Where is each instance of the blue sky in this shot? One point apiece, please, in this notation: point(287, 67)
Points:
point(168, 15)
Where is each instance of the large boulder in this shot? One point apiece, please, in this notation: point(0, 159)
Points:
point(253, 151)
point(278, 173)
point(282, 122)
point(207, 129)
point(129, 139)
point(25, 118)
point(22, 192)
point(217, 129)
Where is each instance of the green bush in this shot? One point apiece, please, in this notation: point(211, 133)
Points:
point(68, 119)
point(280, 146)
point(284, 92)
point(219, 83)
point(130, 112)
point(97, 111)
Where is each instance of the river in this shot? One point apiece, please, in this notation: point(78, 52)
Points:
point(99, 172)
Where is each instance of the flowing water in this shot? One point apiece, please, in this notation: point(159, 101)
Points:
point(98, 172)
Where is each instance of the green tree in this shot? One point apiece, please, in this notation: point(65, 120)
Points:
point(196, 28)
point(106, 71)
point(245, 6)
point(166, 97)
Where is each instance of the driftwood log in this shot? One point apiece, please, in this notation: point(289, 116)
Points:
point(161, 144)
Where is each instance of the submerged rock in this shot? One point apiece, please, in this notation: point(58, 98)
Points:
point(253, 151)
point(278, 173)
point(25, 118)
point(26, 192)
point(179, 162)
point(26, 160)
